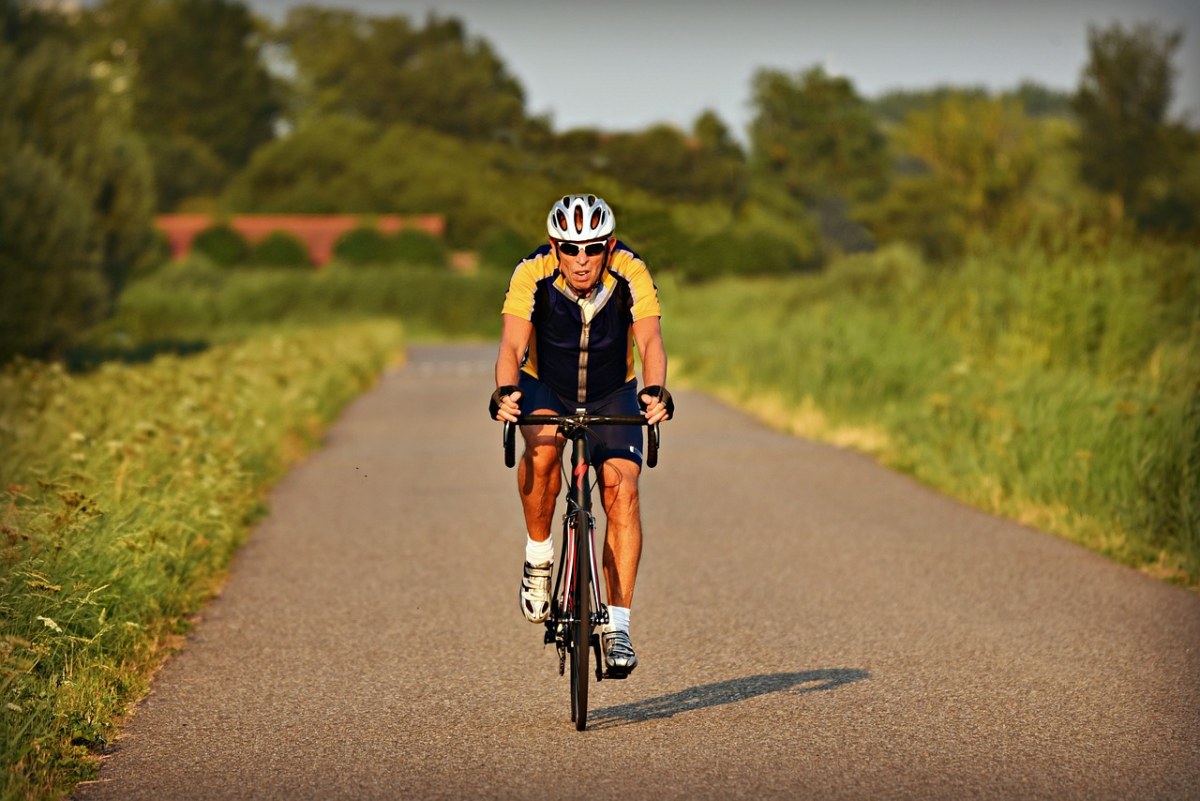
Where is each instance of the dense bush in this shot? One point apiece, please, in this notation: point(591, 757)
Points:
point(742, 252)
point(502, 248)
point(280, 249)
point(413, 246)
point(75, 195)
point(363, 245)
point(192, 300)
point(222, 244)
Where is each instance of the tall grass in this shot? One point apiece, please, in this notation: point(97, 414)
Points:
point(1056, 385)
point(125, 492)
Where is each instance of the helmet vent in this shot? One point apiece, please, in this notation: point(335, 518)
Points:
point(580, 218)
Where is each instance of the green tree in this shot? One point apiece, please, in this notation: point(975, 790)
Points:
point(706, 165)
point(385, 70)
point(657, 159)
point(76, 192)
point(720, 170)
point(49, 266)
point(201, 93)
point(964, 162)
point(1124, 94)
point(814, 136)
point(982, 152)
point(314, 170)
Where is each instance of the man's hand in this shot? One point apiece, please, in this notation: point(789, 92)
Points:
point(503, 405)
point(656, 404)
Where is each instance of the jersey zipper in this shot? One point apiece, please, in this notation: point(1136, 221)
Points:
point(583, 361)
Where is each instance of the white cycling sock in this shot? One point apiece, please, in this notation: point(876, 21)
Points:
point(539, 553)
point(618, 618)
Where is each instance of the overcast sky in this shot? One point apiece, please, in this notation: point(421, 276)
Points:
point(625, 64)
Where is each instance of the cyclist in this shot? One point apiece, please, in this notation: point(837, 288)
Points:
point(575, 308)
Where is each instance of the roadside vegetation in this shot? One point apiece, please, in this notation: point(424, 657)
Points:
point(996, 292)
point(988, 382)
point(127, 490)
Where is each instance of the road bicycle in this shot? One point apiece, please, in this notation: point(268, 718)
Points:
point(576, 611)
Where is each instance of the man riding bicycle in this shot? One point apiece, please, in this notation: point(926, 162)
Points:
point(575, 307)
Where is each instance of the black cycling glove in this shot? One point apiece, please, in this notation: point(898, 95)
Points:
point(494, 406)
point(662, 394)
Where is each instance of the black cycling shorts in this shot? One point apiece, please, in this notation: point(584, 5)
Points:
point(607, 442)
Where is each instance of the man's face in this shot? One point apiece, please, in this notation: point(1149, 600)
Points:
point(582, 262)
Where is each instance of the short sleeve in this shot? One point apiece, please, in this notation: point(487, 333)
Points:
point(522, 287)
point(641, 285)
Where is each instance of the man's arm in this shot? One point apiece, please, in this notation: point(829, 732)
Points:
point(514, 340)
point(647, 332)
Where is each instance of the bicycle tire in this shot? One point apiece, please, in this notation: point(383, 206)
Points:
point(581, 639)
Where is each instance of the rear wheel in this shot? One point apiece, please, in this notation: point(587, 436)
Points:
point(581, 637)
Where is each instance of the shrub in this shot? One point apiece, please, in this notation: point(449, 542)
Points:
point(280, 249)
point(417, 247)
point(363, 245)
point(502, 248)
point(222, 244)
point(731, 252)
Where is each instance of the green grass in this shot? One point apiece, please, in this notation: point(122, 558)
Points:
point(1055, 386)
point(126, 491)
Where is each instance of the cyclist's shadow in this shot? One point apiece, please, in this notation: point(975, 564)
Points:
point(723, 692)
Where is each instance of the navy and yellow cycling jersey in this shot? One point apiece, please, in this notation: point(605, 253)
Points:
point(574, 357)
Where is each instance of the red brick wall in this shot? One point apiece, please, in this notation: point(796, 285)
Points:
point(318, 232)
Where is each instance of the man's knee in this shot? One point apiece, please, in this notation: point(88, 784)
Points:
point(543, 455)
point(619, 478)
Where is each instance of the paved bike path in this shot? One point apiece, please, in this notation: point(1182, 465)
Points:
point(808, 625)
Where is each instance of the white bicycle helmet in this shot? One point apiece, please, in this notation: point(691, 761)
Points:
point(580, 218)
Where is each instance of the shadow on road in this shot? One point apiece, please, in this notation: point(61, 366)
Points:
point(723, 692)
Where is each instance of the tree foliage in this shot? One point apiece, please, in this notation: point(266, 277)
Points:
point(75, 190)
point(982, 152)
point(705, 165)
point(1122, 102)
point(815, 136)
point(352, 166)
point(201, 93)
point(386, 70)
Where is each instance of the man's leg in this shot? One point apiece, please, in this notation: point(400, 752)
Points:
point(539, 479)
point(623, 539)
point(538, 482)
point(622, 553)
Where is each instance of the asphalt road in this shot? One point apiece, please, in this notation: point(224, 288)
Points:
point(808, 624)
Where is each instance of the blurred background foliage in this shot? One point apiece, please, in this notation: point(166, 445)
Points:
point(128, 107)
point(125, 108)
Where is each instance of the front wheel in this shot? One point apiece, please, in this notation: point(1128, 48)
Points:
point(581, 636)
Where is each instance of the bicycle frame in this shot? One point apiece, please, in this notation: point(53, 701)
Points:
point(571, 625)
